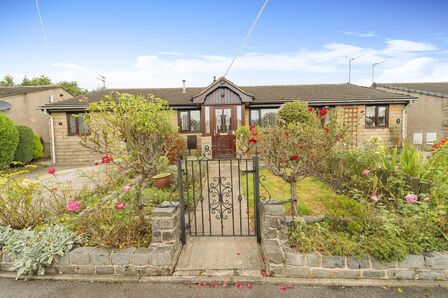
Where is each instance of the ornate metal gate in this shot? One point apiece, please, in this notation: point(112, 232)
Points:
point(219, 197)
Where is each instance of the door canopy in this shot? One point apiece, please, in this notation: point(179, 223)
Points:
point(222, 92)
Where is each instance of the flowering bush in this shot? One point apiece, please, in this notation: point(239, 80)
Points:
point(298, 147)
point(134, 133)
point(21, 205)
point(245, 138)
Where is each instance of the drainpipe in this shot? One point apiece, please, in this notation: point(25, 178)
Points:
point(53, 146)
point(403, 126)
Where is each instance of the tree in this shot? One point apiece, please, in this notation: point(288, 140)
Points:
point(300, 144)
point(8, 81)
point(72, 88)
point(132, 131)
point(36, 81)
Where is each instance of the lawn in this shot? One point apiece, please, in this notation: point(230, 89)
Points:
point(313, 194)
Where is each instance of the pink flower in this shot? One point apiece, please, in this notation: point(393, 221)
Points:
point(365, 172)
point(374, 197)
point(120, 205)
point(51, 171)
point(411, 198)
point(239, 286)
point(127, 188)
point(69, 180)
point(73, 206)
point(282, 288)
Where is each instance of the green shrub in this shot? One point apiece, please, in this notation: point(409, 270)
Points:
point(38, 148)
point(34, 250)
point(25, 147)
point(296, 112)
point(20, 205)
point(9, 138)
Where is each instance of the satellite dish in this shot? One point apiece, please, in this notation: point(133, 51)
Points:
point(5, 106)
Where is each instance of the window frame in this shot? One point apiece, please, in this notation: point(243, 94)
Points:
point(77, 133)
point(258, 110)
point(376, 121)
point(179, 121)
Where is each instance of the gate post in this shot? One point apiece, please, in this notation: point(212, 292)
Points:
point(257, 198)
point(181, 200)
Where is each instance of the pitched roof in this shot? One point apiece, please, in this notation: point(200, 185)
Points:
point(439, 89)
point(10, 91)
point(268, 94)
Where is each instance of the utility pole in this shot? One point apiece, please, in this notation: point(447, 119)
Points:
point(373, 69)
point(350, 67)
point(102, 79)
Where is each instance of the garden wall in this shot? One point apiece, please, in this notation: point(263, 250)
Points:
point(159, 258)
point(282, 261)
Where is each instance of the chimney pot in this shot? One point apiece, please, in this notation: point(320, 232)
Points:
point(184, 88)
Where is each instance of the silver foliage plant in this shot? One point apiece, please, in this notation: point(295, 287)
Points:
point(34, 250)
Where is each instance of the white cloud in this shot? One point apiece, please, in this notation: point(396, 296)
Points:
point(361, 34)
point(406, 61)
point(401, 45)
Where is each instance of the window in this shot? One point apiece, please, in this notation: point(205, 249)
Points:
point(77, 125)
point(263, 117)
point(190, 121)
point(377, 116)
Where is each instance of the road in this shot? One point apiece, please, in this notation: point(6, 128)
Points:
point(66, 289)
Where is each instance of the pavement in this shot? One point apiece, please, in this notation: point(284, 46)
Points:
point(202, 289)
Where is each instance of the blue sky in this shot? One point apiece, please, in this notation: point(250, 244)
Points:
point(159, 43)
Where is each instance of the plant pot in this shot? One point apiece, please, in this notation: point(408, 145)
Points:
point(162, 180)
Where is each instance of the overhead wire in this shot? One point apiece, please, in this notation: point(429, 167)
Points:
point(254, 23)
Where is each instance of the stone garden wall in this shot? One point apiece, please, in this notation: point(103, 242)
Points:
point(282, 261)
point(159, 258)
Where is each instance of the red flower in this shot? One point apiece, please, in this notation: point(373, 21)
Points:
point(251, 127)
point(239, 286)
point(326, 129)
point(310, 109)
point(282, 288)
point(96, 163)
point(286, 134)
point(252, 140)
point(263, 273)
point(106, 158)
point(254, 133)
point(214, 285)
point(249, 286)
point(300, 147)
point(323, 112)
point(295, 156)
point(51, 171)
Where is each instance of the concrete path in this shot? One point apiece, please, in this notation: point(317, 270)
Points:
point(220, 256)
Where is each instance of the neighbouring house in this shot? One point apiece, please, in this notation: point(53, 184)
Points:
point(211, 115)
point(21, 104)
point(428, 115)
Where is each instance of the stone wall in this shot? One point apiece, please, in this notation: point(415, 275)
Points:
point(282, 261)
point(159, 258)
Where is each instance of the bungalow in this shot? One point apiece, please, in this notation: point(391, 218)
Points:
point(21, 104)
point(428, 115)
point(210, 115)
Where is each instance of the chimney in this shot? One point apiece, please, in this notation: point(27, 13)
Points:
point(214, 79)
point(184, 88)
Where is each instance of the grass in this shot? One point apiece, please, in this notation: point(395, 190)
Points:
point(313, 194)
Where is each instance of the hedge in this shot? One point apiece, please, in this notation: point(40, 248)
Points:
point(9, 138)
point(38, 149)
point(25, 147)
